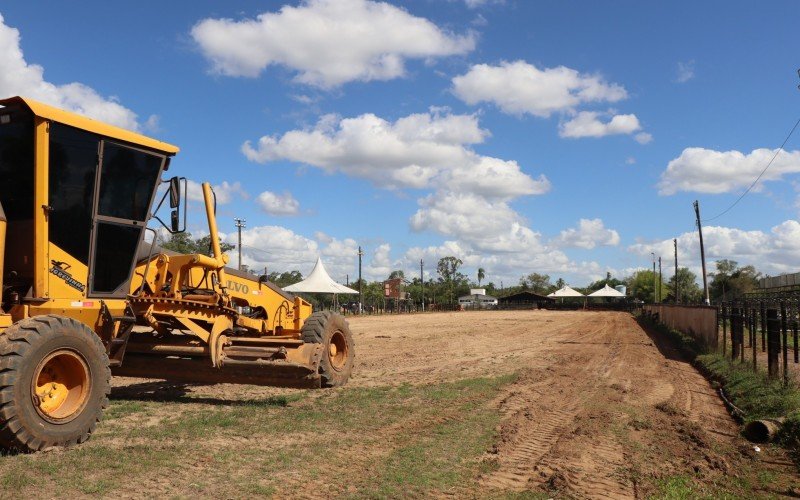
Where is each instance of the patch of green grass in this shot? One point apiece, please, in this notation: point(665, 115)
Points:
point(15, 479)
point(393, 440)
point(752, 392)
point(123, 408)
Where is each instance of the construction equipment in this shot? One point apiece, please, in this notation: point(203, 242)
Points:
point(84, 296)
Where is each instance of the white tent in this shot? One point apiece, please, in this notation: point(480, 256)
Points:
point(566, 291)
point(319, 282)
point(607, 291)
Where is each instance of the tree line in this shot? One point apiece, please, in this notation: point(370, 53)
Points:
point(729, 281)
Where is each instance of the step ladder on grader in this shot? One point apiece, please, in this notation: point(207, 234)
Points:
point(84, 296)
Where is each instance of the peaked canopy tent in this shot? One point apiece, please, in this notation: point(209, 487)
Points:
point(318, 281)
point(566, 291)
point(607, 291)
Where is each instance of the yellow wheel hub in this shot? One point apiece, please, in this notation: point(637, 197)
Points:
point(61, 385)
point(338, 350)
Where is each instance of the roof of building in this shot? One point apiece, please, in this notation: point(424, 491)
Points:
point(525, 296)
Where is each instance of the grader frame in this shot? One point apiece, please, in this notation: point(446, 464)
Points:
point(83, 295)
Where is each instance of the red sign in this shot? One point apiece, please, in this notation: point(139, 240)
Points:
point(392, 289)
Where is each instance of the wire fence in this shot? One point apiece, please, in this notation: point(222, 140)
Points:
point(763, 331)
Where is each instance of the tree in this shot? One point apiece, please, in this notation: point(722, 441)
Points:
point(641, 285)
point(689, 291)
point(731, 281)
point(481, 275)
point(537, 283)
point(285, 278)
point(397, 274)
point(560, 283)
point(447, 268)
point(184, 243)
point(597, 285)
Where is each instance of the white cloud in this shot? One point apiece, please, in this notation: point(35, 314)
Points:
point(280, 249)
point(643, 137)
point(328, 42)
point(474, 4)
point(18, 77)
point(278, 204)
point(382, 265)
point(684, 72)
point(630, 160)
point(483, 224)
point(520, 87)
point(588, 124)
point(225, 192)
point(707, 171)
point(424, 150)
point(773, 252)
point(589, 234)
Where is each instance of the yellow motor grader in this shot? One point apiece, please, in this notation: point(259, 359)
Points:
point(84, 296)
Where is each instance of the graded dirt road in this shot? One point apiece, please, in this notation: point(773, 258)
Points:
point(600, 409)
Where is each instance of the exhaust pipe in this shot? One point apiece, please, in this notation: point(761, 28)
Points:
point(764, 430)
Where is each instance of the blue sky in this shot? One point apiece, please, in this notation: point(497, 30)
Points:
point(567, 138)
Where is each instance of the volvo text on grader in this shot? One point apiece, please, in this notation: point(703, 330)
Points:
point(83, 296)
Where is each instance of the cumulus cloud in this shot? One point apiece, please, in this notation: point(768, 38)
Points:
point(278, 204)
point(327, 42)
point(773, 252)
point(589, 234)
point(485, 225)
point(588, 124)
point(424, 150)
point(684, 71)
point(225, 192)
point(708, 171)
point(22, 78)
point(519, 87)
point(643, 137)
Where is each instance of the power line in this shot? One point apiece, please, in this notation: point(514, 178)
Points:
point(777, 152)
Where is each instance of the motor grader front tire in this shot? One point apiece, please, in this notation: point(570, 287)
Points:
point(338, 354)
point(54, 383)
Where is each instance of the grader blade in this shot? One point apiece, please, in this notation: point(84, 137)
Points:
point(198, 370)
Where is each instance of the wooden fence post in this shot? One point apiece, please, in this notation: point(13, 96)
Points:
point(773, 342)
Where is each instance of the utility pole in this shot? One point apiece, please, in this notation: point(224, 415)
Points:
point(654, 276)
point(660, 279)
point(240, 223)
point(360, 254)
point(702, 252)
point(677, 287)
point(347, 279)
point(422, 284)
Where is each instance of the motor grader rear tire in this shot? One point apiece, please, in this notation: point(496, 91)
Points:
point(338, 355)
point(54, 383)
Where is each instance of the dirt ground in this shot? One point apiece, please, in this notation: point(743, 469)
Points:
point(573, 405)
point(599, 405)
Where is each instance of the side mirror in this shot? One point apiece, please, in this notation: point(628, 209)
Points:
point(175, 221)
point(174, 192)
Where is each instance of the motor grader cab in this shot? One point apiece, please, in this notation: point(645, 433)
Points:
point(84, 296)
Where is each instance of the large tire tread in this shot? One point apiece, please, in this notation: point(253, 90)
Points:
point(17, 344)
point(317, 329)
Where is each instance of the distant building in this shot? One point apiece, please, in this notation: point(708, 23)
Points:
point(524, 300)
point(477, 299)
